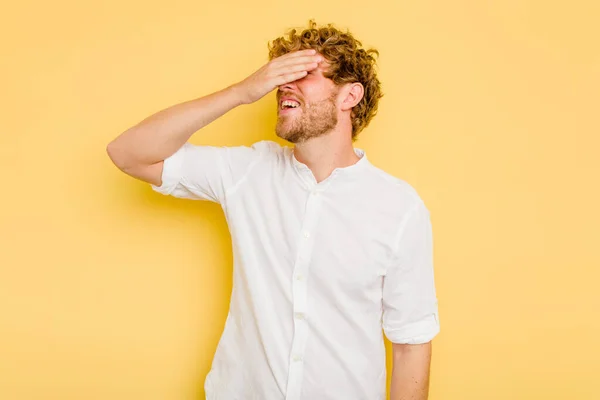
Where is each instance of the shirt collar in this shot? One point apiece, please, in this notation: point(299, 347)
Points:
point(350, 168)
point(308, 176)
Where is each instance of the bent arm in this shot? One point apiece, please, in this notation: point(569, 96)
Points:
point(141, 149)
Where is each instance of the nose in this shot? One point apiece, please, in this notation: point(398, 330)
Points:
point(287, 87)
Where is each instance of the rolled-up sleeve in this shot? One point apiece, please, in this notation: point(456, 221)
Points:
point(172, 171)
point(207, 172)
point(410, 306)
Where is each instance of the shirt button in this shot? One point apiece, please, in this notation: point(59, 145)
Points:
point(315, 193)
point(297, 357)
point(299, 315)
point(299, 277)
point(306, 234)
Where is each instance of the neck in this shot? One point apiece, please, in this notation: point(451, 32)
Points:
point(325, 153)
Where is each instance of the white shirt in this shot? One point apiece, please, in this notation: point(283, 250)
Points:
point(321, 271)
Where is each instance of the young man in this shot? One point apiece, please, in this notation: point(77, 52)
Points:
point(330, 251)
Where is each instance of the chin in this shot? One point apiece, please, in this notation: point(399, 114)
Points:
point(287, 135)
point(282, 134)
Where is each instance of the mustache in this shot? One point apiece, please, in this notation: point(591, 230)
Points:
point(281, 94)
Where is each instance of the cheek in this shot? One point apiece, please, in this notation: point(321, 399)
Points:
point(313, 94)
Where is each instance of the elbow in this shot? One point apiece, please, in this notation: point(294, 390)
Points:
point(113, 153)
point(117, 155)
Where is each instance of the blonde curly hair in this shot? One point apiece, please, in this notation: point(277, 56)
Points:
point(348, 64)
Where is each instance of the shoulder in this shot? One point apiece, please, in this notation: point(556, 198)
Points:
point(268, 147)
point(397, 192)
point(272, 154)
point(244, 156)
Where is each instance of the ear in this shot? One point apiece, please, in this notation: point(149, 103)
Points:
point(352, 94)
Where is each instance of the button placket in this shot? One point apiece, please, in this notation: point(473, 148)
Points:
point(300, 301)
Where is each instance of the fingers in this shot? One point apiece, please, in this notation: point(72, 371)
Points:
point(300, 60)
point(293, 65)
point(299, 56)
point(297, 53)
point(286, 78)
point(290, 73)
point(299, 67)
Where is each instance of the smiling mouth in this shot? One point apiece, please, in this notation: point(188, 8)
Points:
point(289, 104)
point(287, 110)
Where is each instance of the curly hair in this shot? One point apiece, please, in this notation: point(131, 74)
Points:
point(348, 64)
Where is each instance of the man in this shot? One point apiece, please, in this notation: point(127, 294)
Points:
point(330, 251)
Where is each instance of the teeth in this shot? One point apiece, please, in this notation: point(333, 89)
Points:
point(289, 103)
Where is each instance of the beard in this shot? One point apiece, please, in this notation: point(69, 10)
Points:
point(306, 122)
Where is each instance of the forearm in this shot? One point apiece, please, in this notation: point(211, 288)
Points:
point(163, 133)
point(410, 372)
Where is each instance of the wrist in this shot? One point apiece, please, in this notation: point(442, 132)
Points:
point(237, 94)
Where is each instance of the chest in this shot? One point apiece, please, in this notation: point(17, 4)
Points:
point(344, 238)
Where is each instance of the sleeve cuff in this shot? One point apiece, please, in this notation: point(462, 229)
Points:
point(415, 333)
point(172, 170)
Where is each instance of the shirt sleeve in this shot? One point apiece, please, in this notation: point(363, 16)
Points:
point(410, 307)
point(207, 172)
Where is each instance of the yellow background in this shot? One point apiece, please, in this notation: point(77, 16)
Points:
point(109, 290)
